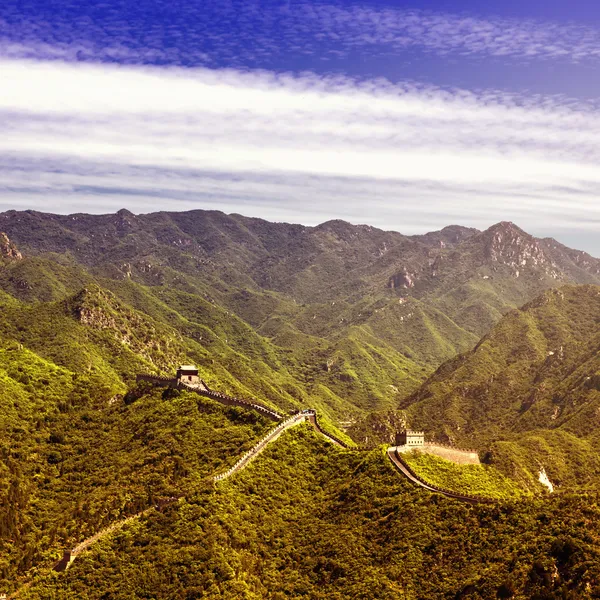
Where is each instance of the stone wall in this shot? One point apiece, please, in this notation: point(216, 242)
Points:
point(455, 455)
point(450, 493)
point(158, 379)
point(261, 445)
point(312, 418)
point(232, 401)
point(202, 390)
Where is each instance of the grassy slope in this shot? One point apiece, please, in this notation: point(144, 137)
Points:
point(93, 332)
point(307, 520)
point(480, 480)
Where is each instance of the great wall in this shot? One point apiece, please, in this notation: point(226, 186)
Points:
point(395, 455)
point(203, 390)
point(308, 415)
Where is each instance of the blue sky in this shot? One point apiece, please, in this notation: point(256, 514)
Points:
point(403, 115)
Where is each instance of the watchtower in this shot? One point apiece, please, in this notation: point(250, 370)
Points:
point(188, 374)
point(408, 437)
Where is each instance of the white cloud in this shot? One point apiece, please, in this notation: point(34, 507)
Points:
point(86, 137)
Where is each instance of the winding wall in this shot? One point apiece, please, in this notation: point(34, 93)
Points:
point(402, 466)
point(203, 390)
point(308, 416)
point(261, 445)
point(70, 555)
point(312, 418)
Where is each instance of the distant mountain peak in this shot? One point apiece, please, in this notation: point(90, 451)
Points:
point(338, 226)
point(507, 244)
point(506, 227)
point(8, 248)
point(448, 237)
point(125, 221)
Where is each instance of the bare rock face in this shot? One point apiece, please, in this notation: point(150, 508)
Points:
point(509, 245)
point(403, 279)
point(8, 249)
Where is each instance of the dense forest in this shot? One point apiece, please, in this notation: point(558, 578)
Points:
point(309, 520)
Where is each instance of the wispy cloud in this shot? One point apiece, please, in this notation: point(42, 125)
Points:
point(306, 148)
point(247, 33)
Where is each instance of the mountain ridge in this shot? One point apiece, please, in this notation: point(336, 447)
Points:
point(459, 345)
point(366, 314)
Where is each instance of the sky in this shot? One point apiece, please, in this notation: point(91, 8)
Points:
point(403, 115)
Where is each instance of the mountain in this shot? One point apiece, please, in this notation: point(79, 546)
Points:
point(531, 387)
point(357, 316)
point(364, 325)
point(75, 456)
point(307, 520)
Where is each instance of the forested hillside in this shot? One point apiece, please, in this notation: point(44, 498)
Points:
point(529, 391)
point(309, 520)
point(373, 329)
point(75, 459)
point(352, 315)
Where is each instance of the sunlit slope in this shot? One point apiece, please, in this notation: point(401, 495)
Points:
point(306, 519)
point(349, 316)
point(529, 388)
point(531, 371)
point(74, 459)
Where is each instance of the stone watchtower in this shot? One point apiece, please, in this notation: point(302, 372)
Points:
point(408, 437)
point(188, 374)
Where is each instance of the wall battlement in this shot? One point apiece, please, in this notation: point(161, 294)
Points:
point(232, 401)
point(202, 390)
point(158, 379)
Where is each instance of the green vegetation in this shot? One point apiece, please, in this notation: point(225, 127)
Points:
point(352, 321)
point(75, 460)
point(478, 480)
point(309, 520)
point(527, 393)
point(349, 315)
point(570, 462)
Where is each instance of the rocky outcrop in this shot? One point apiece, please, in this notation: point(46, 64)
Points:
point(100, 310)
point(404, 279)
point(507, 244)
point(8, 249)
